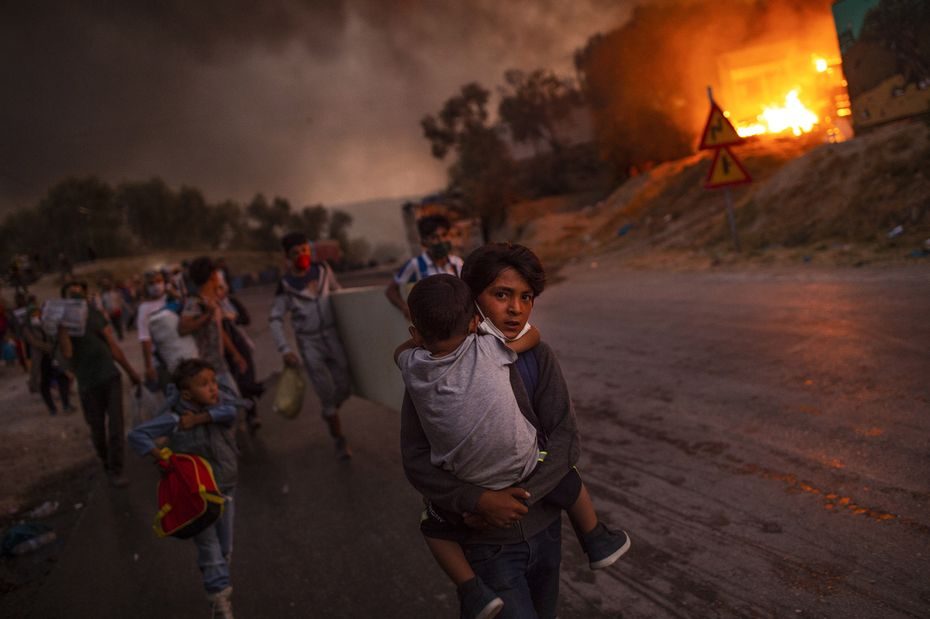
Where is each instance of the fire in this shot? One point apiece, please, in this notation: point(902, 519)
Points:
point(793, 116)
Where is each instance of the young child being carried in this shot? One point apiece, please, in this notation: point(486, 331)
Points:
point(459, 382)
point(200, 420)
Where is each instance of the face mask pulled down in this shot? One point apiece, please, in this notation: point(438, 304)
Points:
point(487, 327)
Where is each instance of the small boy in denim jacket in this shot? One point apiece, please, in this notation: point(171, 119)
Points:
point(199, 419)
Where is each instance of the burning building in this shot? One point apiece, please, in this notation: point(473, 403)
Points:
point(785, 88)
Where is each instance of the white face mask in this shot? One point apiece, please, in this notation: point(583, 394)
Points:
point(487, 327)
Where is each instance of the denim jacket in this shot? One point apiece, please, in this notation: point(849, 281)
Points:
point(216, 441)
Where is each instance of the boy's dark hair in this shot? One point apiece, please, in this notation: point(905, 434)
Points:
point(441, 306)
point(293, 239)
point(187, 370)
point(483, 265)
point(429, 224)
point(68, 285)
point(200, 270)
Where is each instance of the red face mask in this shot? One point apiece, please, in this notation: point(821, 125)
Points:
point(302, 262)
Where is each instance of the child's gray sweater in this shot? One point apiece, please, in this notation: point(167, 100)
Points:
point(555, 419)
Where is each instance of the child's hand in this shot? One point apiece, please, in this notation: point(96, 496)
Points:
point(503, 508)
point(529, 340)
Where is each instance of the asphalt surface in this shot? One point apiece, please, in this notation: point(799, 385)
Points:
point(762, 436)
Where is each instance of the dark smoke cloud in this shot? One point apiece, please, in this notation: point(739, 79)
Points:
point(317, 101)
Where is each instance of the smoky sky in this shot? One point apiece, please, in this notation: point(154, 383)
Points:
point(314, 101)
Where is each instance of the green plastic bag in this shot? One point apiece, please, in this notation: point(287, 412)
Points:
point(289, 397)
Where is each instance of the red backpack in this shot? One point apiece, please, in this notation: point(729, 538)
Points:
point(189, 500)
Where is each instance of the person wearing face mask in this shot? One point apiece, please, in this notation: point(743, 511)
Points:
point(155, 299)
point(435, 259)
point(93, 358)
point(45, 369)
point(303, 293)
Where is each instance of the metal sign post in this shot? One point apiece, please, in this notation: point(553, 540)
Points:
point(731, 217)
point(725, 169)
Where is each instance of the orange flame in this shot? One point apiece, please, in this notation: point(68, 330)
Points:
point(793, 116)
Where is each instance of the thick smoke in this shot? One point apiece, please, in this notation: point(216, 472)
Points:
point(317, 101)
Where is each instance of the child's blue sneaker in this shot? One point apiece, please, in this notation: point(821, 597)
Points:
point(604, 546)
point(478, 601)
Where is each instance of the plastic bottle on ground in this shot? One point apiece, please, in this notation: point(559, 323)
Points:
point(35, 543)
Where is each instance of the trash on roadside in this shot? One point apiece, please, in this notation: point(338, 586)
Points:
point(26, 537)
point(896, 231)
point(624, 229)
point(78, 507)
point(46, 509)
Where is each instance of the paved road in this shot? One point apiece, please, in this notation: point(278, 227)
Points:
point(762, 436)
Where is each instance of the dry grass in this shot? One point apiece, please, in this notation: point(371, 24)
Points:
point(809, 201)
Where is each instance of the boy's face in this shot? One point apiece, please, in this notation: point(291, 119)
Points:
point(507, 302)
point(300, 256)
point(438, 244)
point(203, 389)
point(298, 250)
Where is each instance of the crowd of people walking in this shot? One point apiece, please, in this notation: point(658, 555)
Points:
point(487, 428)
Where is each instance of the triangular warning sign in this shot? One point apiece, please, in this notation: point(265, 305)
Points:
point(718, 131)
point(726, 170)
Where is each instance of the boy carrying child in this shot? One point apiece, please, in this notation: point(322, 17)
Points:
point(200, 420)
point(459, 382)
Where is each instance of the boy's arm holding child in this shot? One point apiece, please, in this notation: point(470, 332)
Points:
point(524, 343)
point(553, 406)
point(409, 344)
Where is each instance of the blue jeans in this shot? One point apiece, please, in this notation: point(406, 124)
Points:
point(214, 548)
point(525, 575)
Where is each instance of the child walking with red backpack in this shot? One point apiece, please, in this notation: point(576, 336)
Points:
point(200, 420)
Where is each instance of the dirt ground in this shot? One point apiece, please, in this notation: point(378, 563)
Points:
point(45, 459)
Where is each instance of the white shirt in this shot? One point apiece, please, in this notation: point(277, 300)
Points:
point(411, 271)
point(146, 309)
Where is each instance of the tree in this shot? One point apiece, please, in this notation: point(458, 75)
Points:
point(81, 214)
point(339, 223)
point(150, 208)
point(483, 168)
point(311, 220)
point(532, 106)
point(903, 28)
point(269, 221)
point(461, 116)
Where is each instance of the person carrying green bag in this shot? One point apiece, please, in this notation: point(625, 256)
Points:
point(304, 293)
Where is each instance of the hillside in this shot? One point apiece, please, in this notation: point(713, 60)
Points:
point(810, 202)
